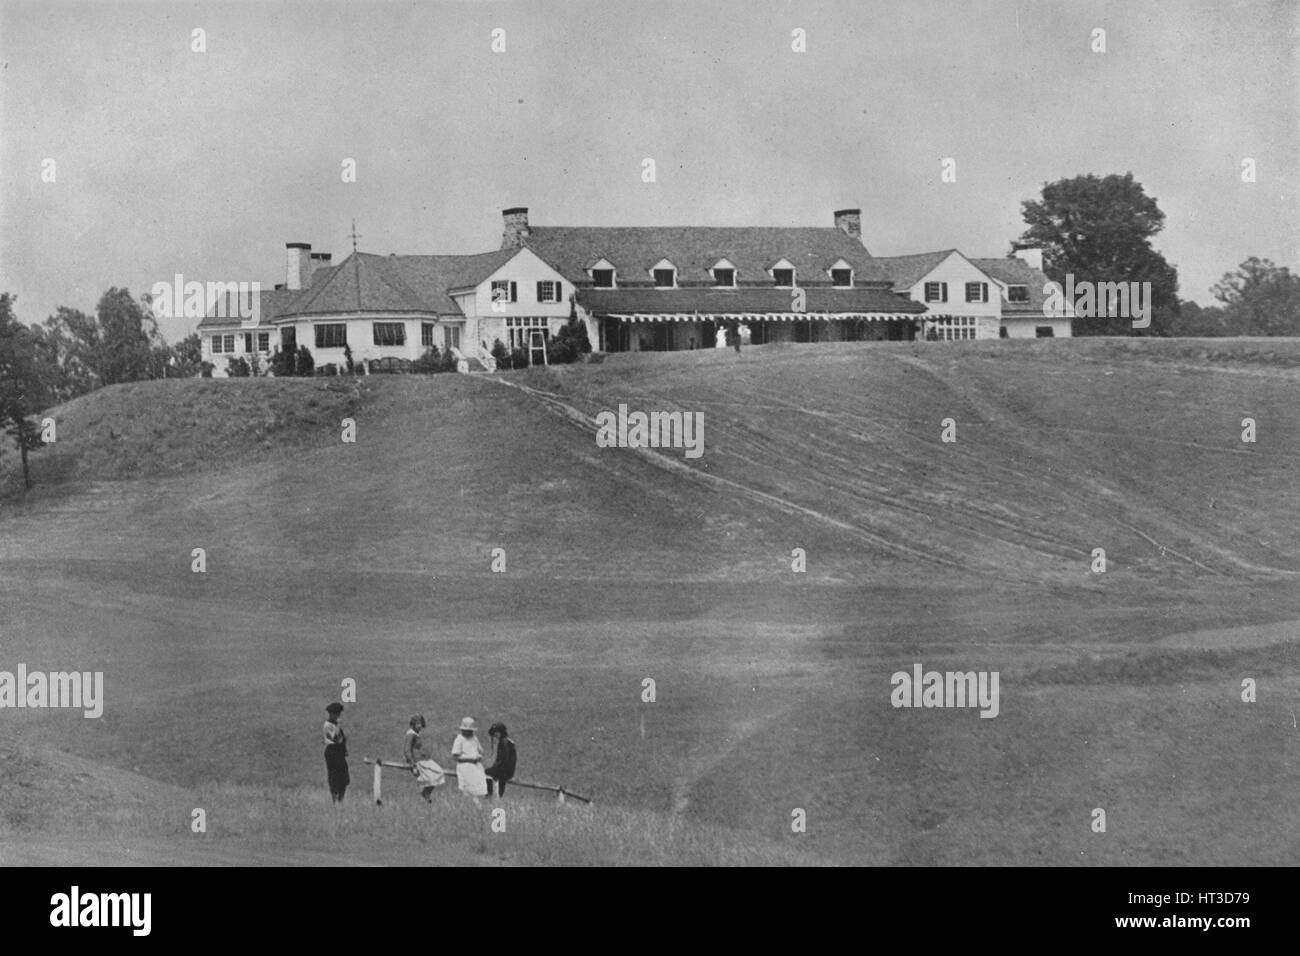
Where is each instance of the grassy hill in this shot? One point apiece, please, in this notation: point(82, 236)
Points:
point(371, 561)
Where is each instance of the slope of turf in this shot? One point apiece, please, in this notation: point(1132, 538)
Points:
point(372, 561)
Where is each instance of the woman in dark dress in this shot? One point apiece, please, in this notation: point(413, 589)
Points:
point(336, 753)
point(503, 767)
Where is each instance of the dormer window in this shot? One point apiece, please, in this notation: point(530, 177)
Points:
point(664, 274)
point(724, 274)
point(841, 274)
point(1017, 293)
point(782, 273)
point(602, 274)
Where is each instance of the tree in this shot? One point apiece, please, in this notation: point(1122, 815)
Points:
point(117, 345)
point(61, 339)
point(188, 356)
point(24, 383)
point(1260, 298)
point(1200, 322)
point(305, 364)
point(572, 341)
point(1100, 229)
point(282, 364)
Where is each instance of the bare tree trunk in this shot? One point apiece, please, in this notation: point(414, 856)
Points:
point(27, 476)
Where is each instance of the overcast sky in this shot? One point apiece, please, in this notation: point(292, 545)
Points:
point(205, 164)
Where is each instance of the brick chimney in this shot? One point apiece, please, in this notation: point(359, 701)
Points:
point(298, 256)
point(1032, 256)
point(319, 260)
point(849, 222)
point(516, 227)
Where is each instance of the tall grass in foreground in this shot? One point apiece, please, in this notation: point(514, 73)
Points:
point(537, 829)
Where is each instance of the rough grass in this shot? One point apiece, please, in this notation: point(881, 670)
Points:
point(176, 427)
point(372, 561)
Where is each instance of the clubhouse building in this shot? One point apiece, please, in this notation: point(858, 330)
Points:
point(656, 288)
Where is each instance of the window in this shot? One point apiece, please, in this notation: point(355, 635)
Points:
point(977, 291)
point(955, 327)
point(548, 291)
point(1017, 293)
point(665, 278)
point(264, 341)
point(602, 278)
point(217, 345)
point(936, 292)
point(843, 278)
point(517, 329)
point(1044, 332)
point(724, 277)
point(503, 290)
point(390, 333)
point(783, 277)
point(332, 336)
point(451, 338)
point(426, 334)
point(230, 342)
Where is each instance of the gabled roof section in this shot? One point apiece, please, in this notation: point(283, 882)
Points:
point(369, 283)
point(1012, 271)
point(907, 271)
point(633, 250)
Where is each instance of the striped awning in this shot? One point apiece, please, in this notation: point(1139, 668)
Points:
point(758, 316)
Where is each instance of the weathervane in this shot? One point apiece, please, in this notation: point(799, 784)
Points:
point(354, 235)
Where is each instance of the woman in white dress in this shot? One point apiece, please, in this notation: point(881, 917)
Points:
point(468, 754)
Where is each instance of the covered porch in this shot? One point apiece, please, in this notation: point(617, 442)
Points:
point(673, 332)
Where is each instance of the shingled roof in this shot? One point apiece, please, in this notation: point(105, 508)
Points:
point(1014, 271)
point(365, 282)
point(271, 303)
point(907, 271)
point(715, 301)
point(635, 250)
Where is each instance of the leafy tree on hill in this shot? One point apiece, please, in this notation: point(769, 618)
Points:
point(117, 344)
point(1100, 229)
point(25, 377)
point(188, 356)
point(1260, 298)
point(71, 375)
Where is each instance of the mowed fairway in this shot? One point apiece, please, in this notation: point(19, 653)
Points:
point(371, 561)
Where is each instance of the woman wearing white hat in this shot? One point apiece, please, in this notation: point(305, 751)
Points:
point(468, 754)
